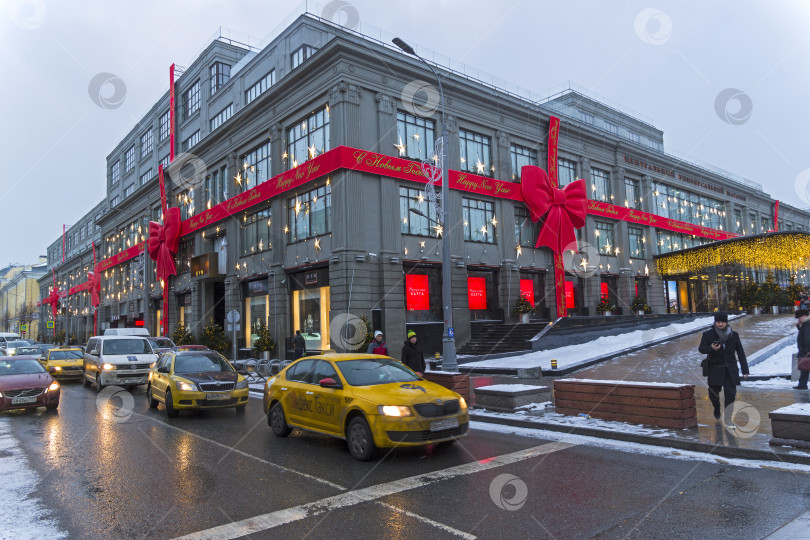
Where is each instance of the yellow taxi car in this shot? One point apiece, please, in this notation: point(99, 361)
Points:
point(64, 363)
point(195, 380)
point(371, 401)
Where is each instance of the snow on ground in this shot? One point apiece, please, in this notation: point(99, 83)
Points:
point(575, 354)
point(780, 363)
point(796, 408)
point(650, 450)
point(22, 514)
point(511, 387)
point(625, 383)
point(770, 384)
point(582, 421)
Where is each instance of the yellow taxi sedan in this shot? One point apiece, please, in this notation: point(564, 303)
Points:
point(195, 380)
point(64, 363)
point(371, 401)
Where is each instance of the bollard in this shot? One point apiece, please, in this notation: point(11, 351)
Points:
point(553, 363)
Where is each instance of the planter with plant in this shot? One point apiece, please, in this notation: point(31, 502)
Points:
point(264, 342)
point(523, 308)
point(605, 306)
point(640, 306)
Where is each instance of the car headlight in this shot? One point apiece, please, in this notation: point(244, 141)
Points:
point(394, 410)
point(241, 384)
point(152, 365)
point(185, 386)
point(54, 369)
point(1, 394)
point(108, 366)
point(53, 387)
point(463, 403)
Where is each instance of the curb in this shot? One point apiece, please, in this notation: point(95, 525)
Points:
point(678, 444)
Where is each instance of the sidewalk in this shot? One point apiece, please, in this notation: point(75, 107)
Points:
point(679, 361)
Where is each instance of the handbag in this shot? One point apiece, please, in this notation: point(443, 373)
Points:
point(705, 365)
point(804, 363)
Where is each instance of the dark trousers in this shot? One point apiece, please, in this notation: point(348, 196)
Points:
point(729, 393)
point(299, 353)
point(803, 376)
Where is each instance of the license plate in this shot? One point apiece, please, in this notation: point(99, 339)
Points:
point(129, 381)
point(446, 423)
point(211, 397)
point(19, 400)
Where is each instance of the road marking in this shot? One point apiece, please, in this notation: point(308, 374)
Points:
point(798, 528)
point(370, 494)
point(245, 454)
point(423, 519)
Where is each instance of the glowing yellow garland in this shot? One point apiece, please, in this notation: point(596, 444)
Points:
point(781, 251)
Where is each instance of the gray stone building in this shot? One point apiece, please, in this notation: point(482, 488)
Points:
point(320, 253)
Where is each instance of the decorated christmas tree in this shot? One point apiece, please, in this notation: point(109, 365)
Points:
point(213, 337)
point(181, 335)
point(363, 345)
point(265, 341)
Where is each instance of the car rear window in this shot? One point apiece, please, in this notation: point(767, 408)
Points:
point(371, 371)
point(200, 363)
point(65, 355)
point(28, 350)
point(14, 344)
point(20, 367)
point(126, 346)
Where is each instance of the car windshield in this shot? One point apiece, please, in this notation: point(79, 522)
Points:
point(44, 346)
point(127, 346)
point(159, 343)
point(200, 363)
point(367, 372)
point(20, 367)
point(15, 344)
point(65, 355)
point(28, 350)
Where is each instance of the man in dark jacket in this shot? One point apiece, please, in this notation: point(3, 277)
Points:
point(724, 348)
point(803, 341)
point(412, 354)
point(299, 345)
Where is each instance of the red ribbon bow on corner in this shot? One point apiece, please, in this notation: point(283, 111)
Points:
point(53, 297)
point(163, 242)
point(566, 208)
point(94, 278)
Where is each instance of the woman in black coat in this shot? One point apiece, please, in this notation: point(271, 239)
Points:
point(723, 348)
point(803, 341)
point(412, 355)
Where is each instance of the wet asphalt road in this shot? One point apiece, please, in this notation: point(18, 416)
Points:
point(113, 471)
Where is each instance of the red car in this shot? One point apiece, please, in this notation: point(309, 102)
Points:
point(24, 383)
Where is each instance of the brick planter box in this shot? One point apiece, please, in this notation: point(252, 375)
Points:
point(791, 425)
point(457, 382)
point(653, 404)
point(509, 397)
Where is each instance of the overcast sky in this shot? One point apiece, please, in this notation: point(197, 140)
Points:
point(668, 61)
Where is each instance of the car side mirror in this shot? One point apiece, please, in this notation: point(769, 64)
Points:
point(329, 382)
point(163, 369)
point(94, 352)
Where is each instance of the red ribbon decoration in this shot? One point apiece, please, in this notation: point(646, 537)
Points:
point(53, 298)
point(94, 278)
point(163, 243)
point(565, 209)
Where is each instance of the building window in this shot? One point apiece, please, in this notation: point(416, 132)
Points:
point(566, 172)
point(309, 214)
point(221, 117)
point(129, 159)
point(526, 232)
point(145, 177)
point(189, 143)
point(220, 73)
point(612, 128)
point(521, 156)
point(423, 293)
point(114, 201)
point(418, 216)
point(475, 153)
point(215, 189)
point(185, 200)
point(146, 143)
point(308, 138)
point(260, 87)
point(636, 246)
point(256, 232)
point(415, 136)
point(586, 117)
point(738, 222)
point(633, 137)
point(301, 54)
point(164, 126)
point(604, 238)
point(129, 190)
point(115, 172)
point(631, 193)
point(165, 161)
point(479, 220)
point(185, 252)
point(765, 224)
point(191, 100)
point(254, 168)
point(600, 185)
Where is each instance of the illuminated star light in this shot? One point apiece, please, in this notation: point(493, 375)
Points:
point(312, 151)
point(400, 147)
point(480, 167)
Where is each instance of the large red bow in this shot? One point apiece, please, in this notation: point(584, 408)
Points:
point(566, 208)
point(163, 242)
point(53, 298)
point(94, 279)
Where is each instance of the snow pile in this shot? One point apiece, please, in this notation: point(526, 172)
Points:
point(511, 387)
point(796, 408)
point(780, 363)
point(22, 514)
point(576, 354)
point(626, 383)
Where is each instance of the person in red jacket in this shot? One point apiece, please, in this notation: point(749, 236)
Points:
point(377, 345)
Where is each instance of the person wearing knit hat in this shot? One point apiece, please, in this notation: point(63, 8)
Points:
point(723, 348)
point(803, 342)
point(377, 345)
point(412, 355)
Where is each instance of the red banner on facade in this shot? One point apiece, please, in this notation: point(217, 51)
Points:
point(569, 295)
point(477, 292)
point(417, 297)
point(527, 290)
point(603, 289)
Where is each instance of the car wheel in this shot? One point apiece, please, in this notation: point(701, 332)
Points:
point(361, 443)
point(240, 409)
point(99, 386)
point(52, 407)
point(277, 421)
point(171, 412)
point(153, 403)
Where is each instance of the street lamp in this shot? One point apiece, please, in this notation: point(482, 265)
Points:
point(448, 339)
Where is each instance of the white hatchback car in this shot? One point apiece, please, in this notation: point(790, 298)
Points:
point(117, 360)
